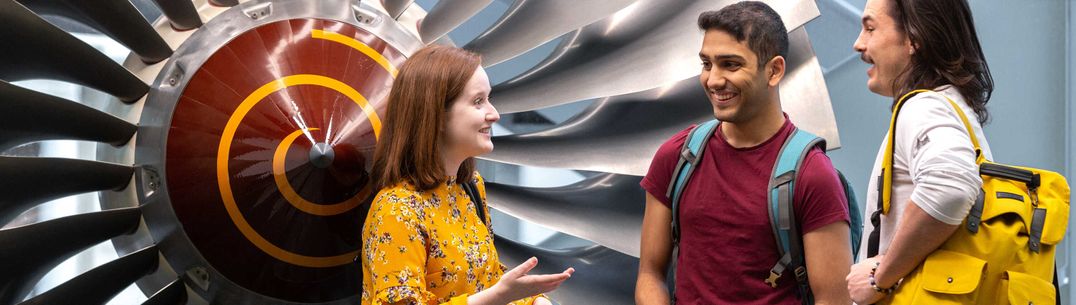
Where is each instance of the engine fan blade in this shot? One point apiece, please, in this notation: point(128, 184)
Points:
point(27, 116)
point(28, 252)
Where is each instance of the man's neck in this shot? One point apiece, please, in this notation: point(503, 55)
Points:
point(753, 132)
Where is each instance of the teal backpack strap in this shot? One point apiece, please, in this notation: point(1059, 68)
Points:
point(690, 155)
point(855, 216)
point(782, 217)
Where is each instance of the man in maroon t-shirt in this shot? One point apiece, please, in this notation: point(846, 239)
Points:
point(726, 244)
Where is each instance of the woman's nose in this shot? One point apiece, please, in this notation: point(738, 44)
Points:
point(492, 115)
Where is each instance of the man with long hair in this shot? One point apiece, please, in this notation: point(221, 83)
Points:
point(932, 45)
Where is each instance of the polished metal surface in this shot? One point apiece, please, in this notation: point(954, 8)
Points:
point(650, 44)
point(804, 95)
point(29, 181)
point(224, 2)
point(28, 252)
point(102, 283)
point(44, 51)
point(184, 247)
point(530, 23)
point(602, 275)
point(116, 18)
point(616, 135)
point(28, 116)
point(182, 14)
point(447, 15)
point(606, 209)
point(620, 134)
point(396, 7)
point(172, 294)
point(276, 206)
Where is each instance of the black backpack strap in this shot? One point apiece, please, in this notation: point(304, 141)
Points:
point(1057, 288)
point(471, 188)
point(799, 265)
point(876, 222)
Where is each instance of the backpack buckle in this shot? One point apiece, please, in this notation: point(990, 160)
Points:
point(687, 155)
point(772, 280)
point(801, 273)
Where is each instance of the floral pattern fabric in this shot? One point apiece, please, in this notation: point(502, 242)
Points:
point(427, 247)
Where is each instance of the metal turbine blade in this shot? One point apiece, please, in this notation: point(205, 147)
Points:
point(37, 49)
point(606, 209)
point(181, 13)
point(228, 3)
point(174, 293)
point(27, 181)
point(650, 44)
point(27, 116)
point(804, 95)
point(101, 284)
point(621, 134)
point(28, 252)
point(447, 15)
point(530, 23)
point(615, 135)
point(395, 8)
point(602, 275)
point(116, 18)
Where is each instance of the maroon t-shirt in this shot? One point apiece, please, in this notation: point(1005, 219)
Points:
point(726, 245)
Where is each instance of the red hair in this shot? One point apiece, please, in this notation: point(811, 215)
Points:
point(422, 93)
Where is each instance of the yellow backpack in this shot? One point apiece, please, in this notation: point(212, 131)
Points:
point(1003, 253)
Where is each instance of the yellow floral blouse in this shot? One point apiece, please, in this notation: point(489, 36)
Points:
point(427, 247)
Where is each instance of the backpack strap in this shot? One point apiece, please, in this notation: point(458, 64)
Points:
point(690, 155)
point(471, 188)
point(781, 210)
point(886, 193)
point(855, 216)
point(885, 176)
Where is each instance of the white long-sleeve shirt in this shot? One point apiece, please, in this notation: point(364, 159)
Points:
point(933, 163)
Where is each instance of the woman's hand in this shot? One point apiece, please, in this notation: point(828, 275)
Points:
point(859, 282)
point(517, 284)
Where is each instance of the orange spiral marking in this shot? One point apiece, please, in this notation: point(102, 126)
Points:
point(357, 45)
point(224, 182)
point(293, 197)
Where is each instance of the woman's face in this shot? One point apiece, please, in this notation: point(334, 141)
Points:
point(470, 119)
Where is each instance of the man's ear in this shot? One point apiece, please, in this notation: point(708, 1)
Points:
point(912, 47)
point(775, 69)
